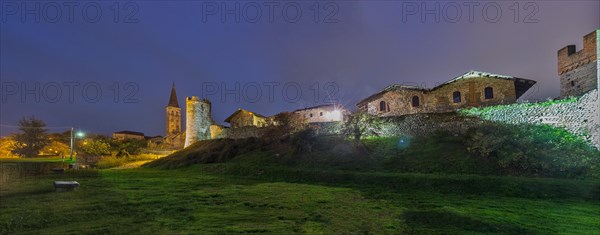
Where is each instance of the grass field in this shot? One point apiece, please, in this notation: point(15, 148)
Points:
point(210, 199)
point(246, 186)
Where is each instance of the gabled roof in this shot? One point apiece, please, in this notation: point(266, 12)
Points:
point(393, 87)
point(521, 84)
point(173, 98)
point(228, 119)
point(129, 133)
point(334, 105)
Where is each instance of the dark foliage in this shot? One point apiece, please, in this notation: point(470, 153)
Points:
point(32, 138)
point(533, 150)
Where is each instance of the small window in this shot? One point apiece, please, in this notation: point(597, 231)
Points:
point(311, 115)
point(456, 98)
point(415, 101)
point(572, 83)
point(382, 106)
point(321, 114)
point(489, 93)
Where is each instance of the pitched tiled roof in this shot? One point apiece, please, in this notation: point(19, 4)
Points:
point(242, 110)
point(521, 84)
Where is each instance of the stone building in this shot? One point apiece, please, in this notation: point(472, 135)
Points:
point(578, 70)
point(174, 136)
point(243, 118)
point(199, 121)
point(323, 113)
point(128, 135)
point(472, 89)
point(173, 113)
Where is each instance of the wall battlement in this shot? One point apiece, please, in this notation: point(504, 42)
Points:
point(569, 58)
point(577, 69)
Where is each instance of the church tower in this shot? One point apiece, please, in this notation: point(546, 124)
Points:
point(173, 114)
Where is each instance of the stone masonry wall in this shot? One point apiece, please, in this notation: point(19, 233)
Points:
point(577, 69)
point(424, 124)
point(198, 120)
point(576, 115)
point(399, 102)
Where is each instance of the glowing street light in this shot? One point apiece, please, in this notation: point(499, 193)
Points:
point(80, 134)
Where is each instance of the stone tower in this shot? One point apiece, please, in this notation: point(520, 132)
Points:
point(173, 114)
point(198, 120)
point(577, 70)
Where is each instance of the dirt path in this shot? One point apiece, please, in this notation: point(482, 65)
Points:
point(132, 165)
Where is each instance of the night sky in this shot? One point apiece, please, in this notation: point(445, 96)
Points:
point(362, 48)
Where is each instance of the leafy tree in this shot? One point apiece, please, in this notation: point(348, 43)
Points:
point(361, 124)
point(32, 139)
point(6, 146)
point(97, 146)
point(129, 147)
point(55, 148)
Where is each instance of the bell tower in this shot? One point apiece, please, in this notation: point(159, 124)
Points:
point(173, 114)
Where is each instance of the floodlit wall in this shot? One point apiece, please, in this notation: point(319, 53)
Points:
point(577, 70)
point(198, 120)
point(577, 114)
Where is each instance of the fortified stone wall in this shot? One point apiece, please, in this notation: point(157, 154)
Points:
point(577, 70)
point(576, 115)
point(241, 132)
point(425, 124)
point(198, 120)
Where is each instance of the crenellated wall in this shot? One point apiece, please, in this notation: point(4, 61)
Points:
point(577, 70)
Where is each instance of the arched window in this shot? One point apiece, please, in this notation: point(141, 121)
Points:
point(415, 101)
point(489, 93)
point(456, 97)
point(382, 106)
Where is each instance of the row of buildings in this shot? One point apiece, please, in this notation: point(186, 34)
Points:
point(577, 72)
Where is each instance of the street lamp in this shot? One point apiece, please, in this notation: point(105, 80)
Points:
point(79, 134)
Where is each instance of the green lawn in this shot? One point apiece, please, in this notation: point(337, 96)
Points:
point(36, 159)
point(220, 198)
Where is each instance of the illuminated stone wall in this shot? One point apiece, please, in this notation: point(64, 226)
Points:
point(577, 70)
point(198, 120)
point(576, 115)
point(425, 124)
point(241, 132)
point(441, 99)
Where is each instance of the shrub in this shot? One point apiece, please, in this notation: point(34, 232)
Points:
point(533, 150)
